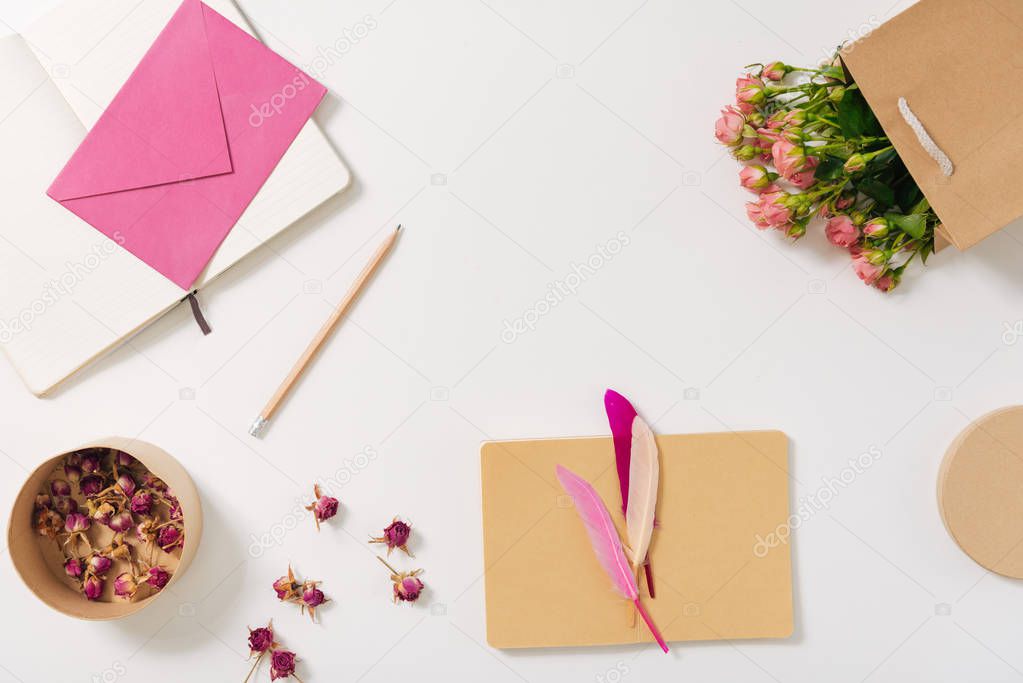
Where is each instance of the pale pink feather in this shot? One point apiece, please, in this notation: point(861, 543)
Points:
point(603, 535)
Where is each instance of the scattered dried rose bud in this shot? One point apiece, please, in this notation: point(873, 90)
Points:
point(60, 487)
point(141, 503)
point(323, 508)
point(92, 587)
point(76, 522)
point(124, 460)
point(72, 472)
point(91, 485)
point(286, 587)
point(396, 535)
point(407, 586)
point(73, 567)
point(145, 532)
point(66, 506)
point(99, 565)
point(175, 511)
point(117, 551)
point(261, 639)
point(313, 596)
point(103, 513)
point(125, 585)
point(282, 664)
point(90, 463)
point(126, 484)
point(121, 522)
point(49, 523)
point(169, 538)
point(43, 501)
point(158, 577)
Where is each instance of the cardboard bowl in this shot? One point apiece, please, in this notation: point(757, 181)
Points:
point(37, 570)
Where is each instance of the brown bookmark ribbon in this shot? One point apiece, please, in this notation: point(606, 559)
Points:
point(200, 319)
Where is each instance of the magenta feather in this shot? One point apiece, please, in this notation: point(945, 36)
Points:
point(607, 545)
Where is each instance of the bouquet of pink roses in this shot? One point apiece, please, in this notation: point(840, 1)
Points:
point(812, 147)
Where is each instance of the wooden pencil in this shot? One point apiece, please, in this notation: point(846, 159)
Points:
point(260, 423)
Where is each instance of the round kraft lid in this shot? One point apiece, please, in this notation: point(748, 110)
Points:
point(980, 491)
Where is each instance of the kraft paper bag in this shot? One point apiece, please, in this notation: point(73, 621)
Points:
point(957, 63)
point(714, 577)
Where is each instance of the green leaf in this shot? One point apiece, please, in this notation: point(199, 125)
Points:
point(855, 117)
point(830, 168)
point(878, 191)
point(914, 225)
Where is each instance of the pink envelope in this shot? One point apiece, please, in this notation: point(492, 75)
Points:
point(187, 142)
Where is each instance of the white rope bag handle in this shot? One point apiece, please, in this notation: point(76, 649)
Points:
point(926, 141)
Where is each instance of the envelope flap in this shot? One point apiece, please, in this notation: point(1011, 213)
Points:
point(956, 64)
point(164, 125)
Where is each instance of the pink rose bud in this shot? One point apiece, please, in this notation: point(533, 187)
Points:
point(865, 270)
point(141, 503)
point(261, 639)
point(326, 507)
point(282, 664)
point(43, 501)
point(126, 484)
point(121, 522)
point(729, 127)
point(73, 567)
point(775, 71)
point(750, 90)
point(855, 164)
point(99, 565)
point(876, 228)
point(396, 535)
point(92, 587)
point(90, 485)
point(408, 589)
point(284, 587)
point(90, 463)
point(66, 506)
point(125, 585)
point(76, 521)
point(841, 232)
point(756, 178)
point(158, 577)
point(59, 487)
point(756, 215)
point(168, 538)
point(72, 472)
point(788, 158)
point(887, 282)
point(313, 596)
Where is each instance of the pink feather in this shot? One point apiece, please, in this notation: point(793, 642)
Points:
point(607, 545)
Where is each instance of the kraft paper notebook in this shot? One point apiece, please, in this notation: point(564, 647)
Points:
point(718, 494)
point(69, 293)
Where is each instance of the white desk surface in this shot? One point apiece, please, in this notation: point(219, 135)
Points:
point(515, 140)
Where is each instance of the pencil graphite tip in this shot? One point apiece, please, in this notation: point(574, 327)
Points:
point(398, 229)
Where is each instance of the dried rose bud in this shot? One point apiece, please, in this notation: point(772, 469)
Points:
point(92, 587)
point(282, 664)
point(73, 459)
point(158, 577)
point(43, 501)
point(175, 511)
point(284, 588)
point(49, 523)
point(90, 463)
point(91, 485)
point(323, 507)
point(60, 487)
point(66, 506)
point(125, 585)
point(99, 565)
point(103, 513)
point(396, 535)
point(72, 472)
point(73, 567)
point(313, 596)
point(77, 522)
point(141, 503)
point(126, 484)
point(261, 639)
point(121, 522)
point(407, 586)
point(151, 481)
point(169, 538)
point(124, 460)
point(117, 551)
point(144, 531)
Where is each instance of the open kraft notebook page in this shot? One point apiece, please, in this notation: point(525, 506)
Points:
point(718, 493)
point(68, 294)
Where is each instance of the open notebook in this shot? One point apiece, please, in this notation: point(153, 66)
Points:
point(68, 294)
